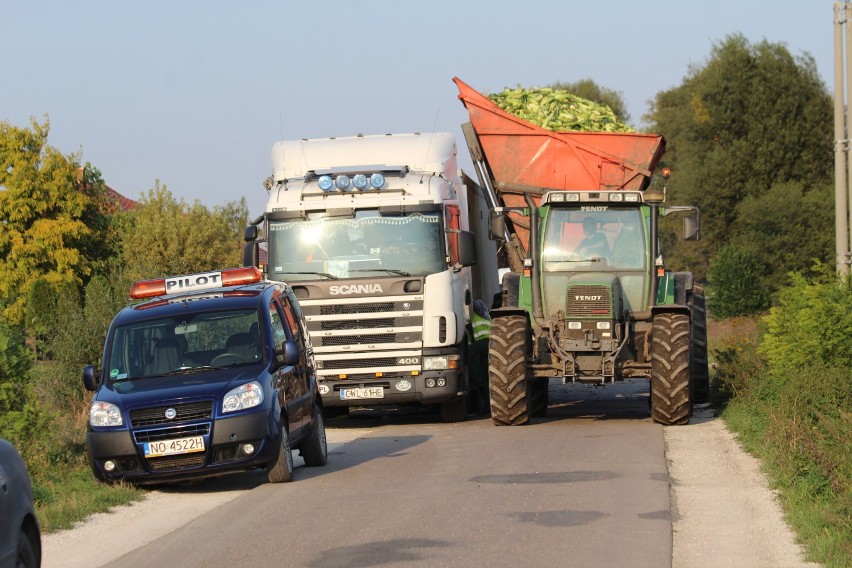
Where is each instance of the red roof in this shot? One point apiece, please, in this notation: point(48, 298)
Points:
point(124, 203)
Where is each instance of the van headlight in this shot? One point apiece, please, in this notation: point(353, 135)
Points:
point(104, 414)
point(242, 397)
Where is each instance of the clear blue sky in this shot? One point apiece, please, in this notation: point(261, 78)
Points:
point(194, 93)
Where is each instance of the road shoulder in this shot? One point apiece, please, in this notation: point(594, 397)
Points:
point(724, 513)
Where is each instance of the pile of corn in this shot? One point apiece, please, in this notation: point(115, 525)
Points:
point(555, 109)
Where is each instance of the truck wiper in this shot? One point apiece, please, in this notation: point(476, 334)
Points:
point(391, 270)
point(324, 274)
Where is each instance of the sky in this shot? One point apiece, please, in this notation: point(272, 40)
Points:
point(193, 94)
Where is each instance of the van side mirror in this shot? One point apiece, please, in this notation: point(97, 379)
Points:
point(287, 353)
point(691, 228)
point(90, 380)
point(496, 226)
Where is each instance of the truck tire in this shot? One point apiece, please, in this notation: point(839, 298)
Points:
point(508, 350)
point(671, 400)
point(454, 410)
point(539, 397)
point(700, 370)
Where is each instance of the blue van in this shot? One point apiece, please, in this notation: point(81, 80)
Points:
point(210, 374)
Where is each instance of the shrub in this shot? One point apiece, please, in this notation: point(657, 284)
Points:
point(736, 288)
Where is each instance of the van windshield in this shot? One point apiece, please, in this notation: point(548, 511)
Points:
point(157, 347)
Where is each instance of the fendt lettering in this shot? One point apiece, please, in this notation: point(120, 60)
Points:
point(588, 298)
point(355, 289)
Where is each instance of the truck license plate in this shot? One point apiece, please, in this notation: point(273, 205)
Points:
point(173, 447)
point(354, 393)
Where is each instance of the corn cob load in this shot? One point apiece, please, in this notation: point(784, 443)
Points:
point(555, 109)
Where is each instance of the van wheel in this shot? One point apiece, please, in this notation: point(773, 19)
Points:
point(314, 449)
point(281, 470)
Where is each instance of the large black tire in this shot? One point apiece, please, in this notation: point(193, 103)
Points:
point(508, 350)
point(539, 396)
point(454, 410)
point(700, 370)
point(25, 556)
point(671, 397)
point(314, 450)
point(281, 470)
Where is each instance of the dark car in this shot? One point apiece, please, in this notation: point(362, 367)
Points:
point(211, 374)
point(20, 535)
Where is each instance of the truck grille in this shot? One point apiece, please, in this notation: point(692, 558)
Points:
point(589, 301)
point(357, 309)
point(356, 363)
point(157, 415)
point(357, 324)
point(359, 339)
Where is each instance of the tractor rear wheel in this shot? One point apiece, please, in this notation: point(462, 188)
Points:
point(700, 370)
point(508, 350)
point(671, 400)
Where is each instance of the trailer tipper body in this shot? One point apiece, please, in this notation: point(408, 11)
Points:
point(587, 297)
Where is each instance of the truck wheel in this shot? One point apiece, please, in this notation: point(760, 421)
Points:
point(454, 410)
point(314, 449)
point(539, 397)
point(700, 370)
point(281, 470)
point(507, 370)
point(671, 401)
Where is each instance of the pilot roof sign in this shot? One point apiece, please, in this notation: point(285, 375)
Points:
point(193, 282)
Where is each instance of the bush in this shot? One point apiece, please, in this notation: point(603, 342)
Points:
point(735, 284)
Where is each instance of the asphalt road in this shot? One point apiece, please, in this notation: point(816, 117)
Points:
point(587, 485)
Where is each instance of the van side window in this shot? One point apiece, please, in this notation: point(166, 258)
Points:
point(279, 333)
point(292, 323)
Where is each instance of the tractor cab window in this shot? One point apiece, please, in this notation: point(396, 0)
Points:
point(580, 239)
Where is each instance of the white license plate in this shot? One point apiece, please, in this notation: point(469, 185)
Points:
point(371, 392)
point(173, 447)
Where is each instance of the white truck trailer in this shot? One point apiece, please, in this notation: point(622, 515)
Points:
point(386, 248)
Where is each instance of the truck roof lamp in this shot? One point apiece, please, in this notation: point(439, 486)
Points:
point(359, 181)
point(377, 180)
point(325, 183)
point(343, 183)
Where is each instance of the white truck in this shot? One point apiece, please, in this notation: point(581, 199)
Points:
point(386, 248)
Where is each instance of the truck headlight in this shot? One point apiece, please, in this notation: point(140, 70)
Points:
point(440, 362)
point(105, 414)
point(242, 397)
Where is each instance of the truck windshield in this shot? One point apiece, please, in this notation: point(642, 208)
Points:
point(584, 240)
point(184, 344)
point(367, 244)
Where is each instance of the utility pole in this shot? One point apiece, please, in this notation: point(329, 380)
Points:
point(842, 13)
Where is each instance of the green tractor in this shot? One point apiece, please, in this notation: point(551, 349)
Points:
point(586, 296)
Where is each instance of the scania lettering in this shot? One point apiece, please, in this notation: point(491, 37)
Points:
point(377, 235)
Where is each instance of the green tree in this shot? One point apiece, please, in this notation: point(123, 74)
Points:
point(751, 117)
point(735, 285)
point(786, 229)
point(590, 90)
point(167, 237)
point(53, 215)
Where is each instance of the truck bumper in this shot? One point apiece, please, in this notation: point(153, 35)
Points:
point(429, 387)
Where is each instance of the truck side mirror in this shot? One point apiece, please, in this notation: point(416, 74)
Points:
point(90, 381)
point(251, 254)
point(467, 248)
point(250, 234)
point(496, 226)
point(691, 228)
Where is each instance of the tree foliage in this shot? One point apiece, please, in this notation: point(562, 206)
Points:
point(588, 89)
point(53, 213)
point(166, 236)
point(753, 117)
point(736, 287)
